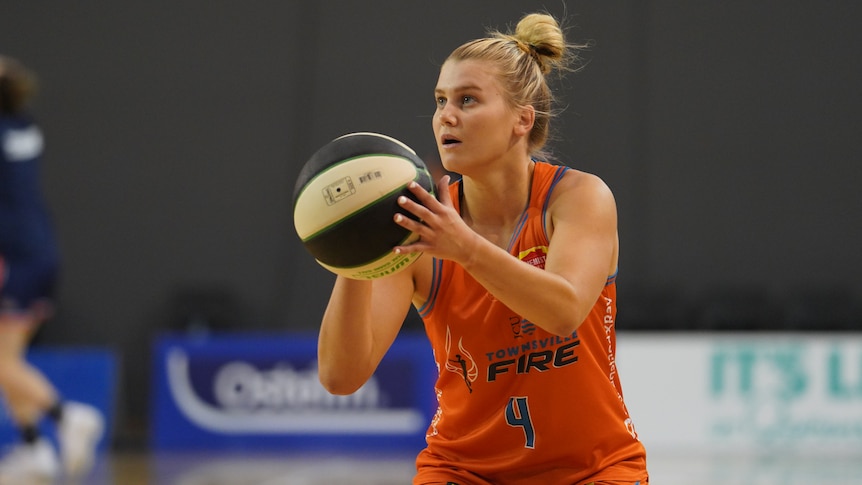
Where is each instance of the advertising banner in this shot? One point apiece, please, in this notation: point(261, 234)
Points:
point(695, 393)
point(744, 393)
point(242, 391)
point(82, 374)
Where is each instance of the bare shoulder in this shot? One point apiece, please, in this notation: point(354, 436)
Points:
point(583, 213)
point(579, 190)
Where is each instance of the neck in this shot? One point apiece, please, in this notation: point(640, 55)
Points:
point(492, 205)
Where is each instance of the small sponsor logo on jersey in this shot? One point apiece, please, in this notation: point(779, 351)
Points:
point(521, 327)
point(535, 256)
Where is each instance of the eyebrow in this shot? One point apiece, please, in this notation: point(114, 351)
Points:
point(458, 89)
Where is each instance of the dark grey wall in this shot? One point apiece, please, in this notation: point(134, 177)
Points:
point(729, 131)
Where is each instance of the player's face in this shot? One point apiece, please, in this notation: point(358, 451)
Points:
point(473, 122)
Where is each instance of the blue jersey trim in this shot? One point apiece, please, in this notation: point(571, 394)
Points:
point(517, 232)
point(561, 170)
point(426, 308)
point(612, 278)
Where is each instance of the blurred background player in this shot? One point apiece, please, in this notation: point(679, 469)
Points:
point(29, 264)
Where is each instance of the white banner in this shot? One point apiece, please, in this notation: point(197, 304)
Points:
point(744, 393)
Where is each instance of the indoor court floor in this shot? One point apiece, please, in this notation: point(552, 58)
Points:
point(291, 469)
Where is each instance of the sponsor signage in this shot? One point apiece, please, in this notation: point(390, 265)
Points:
point(83, 374)
point(262, 391)
point(744, 393)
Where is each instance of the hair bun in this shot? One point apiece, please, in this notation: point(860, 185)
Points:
point(541, 36)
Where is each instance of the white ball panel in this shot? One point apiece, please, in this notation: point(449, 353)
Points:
point(347, 187)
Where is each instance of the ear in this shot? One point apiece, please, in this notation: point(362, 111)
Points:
point(526, 118)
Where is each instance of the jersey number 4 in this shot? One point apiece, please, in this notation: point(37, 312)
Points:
point(518, 415)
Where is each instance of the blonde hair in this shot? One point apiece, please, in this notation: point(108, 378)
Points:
point(523, 59)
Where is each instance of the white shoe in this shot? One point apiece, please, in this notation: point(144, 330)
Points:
point(78, 435)
point(29, 464)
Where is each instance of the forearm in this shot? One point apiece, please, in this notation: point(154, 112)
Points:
point(345, 342)
point(361, 321)
point(545, 298)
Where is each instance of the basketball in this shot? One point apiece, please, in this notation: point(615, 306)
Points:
point(345, 199)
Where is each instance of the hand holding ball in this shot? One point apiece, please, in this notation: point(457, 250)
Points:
point(345, 199)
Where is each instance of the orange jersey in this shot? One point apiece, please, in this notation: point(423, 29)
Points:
point(517, 404)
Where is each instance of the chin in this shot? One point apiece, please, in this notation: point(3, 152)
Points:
point(449, 166)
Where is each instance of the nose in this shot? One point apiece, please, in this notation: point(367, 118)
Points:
point(446, 115)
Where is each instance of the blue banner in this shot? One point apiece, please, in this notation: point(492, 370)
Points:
point(253, 391)
point(83, 374)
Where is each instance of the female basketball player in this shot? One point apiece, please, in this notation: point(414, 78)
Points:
point(516, 287)
point(28, 271)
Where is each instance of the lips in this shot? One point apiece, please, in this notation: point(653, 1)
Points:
point(449, 140)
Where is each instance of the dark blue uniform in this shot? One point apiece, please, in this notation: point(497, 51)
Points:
point(29, 258)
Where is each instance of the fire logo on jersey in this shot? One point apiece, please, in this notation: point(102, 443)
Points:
point(462, 362)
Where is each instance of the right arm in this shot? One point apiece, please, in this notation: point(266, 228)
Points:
point(359, 325)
